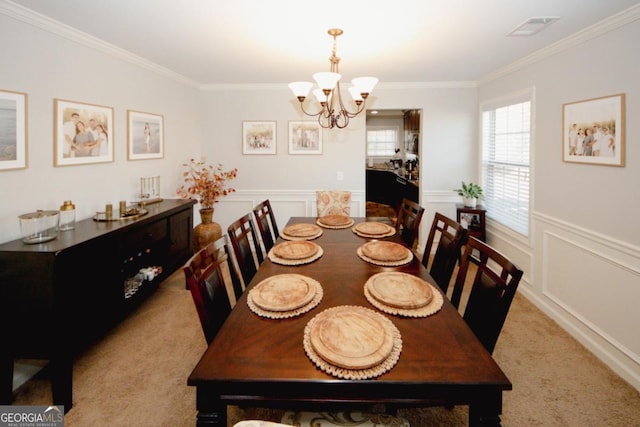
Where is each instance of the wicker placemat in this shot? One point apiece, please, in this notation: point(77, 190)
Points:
point(301, 231)
point(293, 238)
point(354, 374)
point(286, 314)
point(433, 307)
point(403, 261)
point(283, 261)
point(336, 227)
point(390, 233)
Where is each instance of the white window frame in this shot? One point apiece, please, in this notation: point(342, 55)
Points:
point(492, 215)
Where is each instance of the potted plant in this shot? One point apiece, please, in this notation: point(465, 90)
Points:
point(206, 184)
point(470, 193)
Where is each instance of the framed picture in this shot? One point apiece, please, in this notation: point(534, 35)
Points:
point(305, 137)
point(83, 133)
point(145, 135)
point(593, 131)
point(13, 130)
point(259, 137)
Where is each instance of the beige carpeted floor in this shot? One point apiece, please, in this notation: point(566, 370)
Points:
point(136, 375)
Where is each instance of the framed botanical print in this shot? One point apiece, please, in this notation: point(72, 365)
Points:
point(145, 135)
point(83, 133)
point(259, 137)
point(305, 137)
point(13, 130)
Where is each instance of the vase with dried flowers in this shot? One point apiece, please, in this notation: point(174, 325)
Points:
point(206, 184)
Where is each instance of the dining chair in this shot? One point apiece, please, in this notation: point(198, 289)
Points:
point(267, 225)
point(451, 235)
point(494, 281)
point(333, 202)
point(246, 248)
point(206, 283)
point(221, 249)
point(408, 223)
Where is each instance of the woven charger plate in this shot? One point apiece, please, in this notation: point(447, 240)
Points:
point(385, 251)
point(346, 333)
point(317, 297)
point(302, 230)
point(433, 307)
point(283, 261)
point(295, 250)
point(390, 231)
point(399, 290)
point(372, 228)
point(335, 221)
point(283, 292)
point(404, 261)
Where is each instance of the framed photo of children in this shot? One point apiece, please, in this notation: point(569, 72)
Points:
point(305, 137)
point(258, 137)
point(145, 135)
point(593, 131)
point(13, 130)
point(83, 133)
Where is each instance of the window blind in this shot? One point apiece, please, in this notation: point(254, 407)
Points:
point(506, 136)
point(382, 140)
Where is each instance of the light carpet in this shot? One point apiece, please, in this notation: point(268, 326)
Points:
point(137, 374)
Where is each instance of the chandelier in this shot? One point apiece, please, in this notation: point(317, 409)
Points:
point(333, 112)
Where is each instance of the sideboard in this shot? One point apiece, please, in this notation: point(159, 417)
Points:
point(60, 296)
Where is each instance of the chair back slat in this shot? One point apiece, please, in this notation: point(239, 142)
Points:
point(408, 223)
point(494, 281)
point(246, 248)
point(267, 226)
point(451, 235)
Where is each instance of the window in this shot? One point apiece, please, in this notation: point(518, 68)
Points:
point(506, 136)
point(382, 140)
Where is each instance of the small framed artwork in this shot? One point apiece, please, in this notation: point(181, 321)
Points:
point(145, 135)
point(83, 133)
point(259, 137)
point(13, 130)
point(593, 131)
point(305, 137)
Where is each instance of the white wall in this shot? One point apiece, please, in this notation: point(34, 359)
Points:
point(47, 66)
point(582, 263)
point(447, 149)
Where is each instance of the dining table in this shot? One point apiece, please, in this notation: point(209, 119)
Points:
point(263, 361)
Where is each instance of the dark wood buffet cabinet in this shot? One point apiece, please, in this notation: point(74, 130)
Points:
point(60, 296)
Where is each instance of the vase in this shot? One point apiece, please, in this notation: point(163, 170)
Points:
point(470, 202)
point(207, 231)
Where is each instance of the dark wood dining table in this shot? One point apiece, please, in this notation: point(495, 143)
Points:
point(257, 361)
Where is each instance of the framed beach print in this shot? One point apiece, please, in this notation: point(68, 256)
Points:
point(145, 135)
point(13, 130)
point(83, 133)
point(593, 131)
point(259, 137)
point(305, 137)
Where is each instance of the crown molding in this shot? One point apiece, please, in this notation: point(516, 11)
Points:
point(45, 23)
point(606, 25)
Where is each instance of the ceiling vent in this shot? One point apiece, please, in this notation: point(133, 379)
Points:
point(533, 25)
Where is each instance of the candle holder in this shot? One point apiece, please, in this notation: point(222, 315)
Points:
point(149, 190)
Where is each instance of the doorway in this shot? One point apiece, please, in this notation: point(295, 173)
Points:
point(392, 159)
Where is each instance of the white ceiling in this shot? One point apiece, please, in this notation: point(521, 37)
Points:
point(277, 41)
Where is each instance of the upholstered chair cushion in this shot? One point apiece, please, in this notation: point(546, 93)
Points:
point(333, 202)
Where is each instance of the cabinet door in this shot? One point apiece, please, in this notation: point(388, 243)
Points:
point(180, 236)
